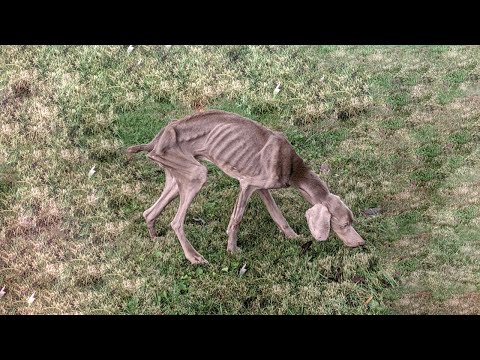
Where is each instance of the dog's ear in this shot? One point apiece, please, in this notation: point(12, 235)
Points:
point(318, 218)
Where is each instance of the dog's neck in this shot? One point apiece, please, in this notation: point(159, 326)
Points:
point(313, 189)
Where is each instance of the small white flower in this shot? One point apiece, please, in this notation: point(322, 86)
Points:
point(92, 171)
point(243, 270)
point(167, 47)
point(130, 49)
point(2, 292)
point(31, 299)
point(277, 90)
point(139, 62)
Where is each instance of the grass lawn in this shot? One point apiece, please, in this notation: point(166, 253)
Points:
point(390, 127)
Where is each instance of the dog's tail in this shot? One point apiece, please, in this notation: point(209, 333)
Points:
point(144, 147)
point(137, 148)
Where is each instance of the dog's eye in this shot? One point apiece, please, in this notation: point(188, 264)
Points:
point(346, 225)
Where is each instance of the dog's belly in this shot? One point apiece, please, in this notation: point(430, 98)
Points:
point(260, 179)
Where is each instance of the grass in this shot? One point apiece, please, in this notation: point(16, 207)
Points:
point(397, 127)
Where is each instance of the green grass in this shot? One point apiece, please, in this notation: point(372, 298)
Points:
point(397, 126)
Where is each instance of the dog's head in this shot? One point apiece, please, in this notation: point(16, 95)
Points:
point(335, 214)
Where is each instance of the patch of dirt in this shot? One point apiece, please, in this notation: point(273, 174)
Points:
point(410, 246)
point(423, 303)
point(18, 90)
point(33, 225)
point(21, 88)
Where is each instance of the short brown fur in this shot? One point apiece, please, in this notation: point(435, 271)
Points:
point(259, 158)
